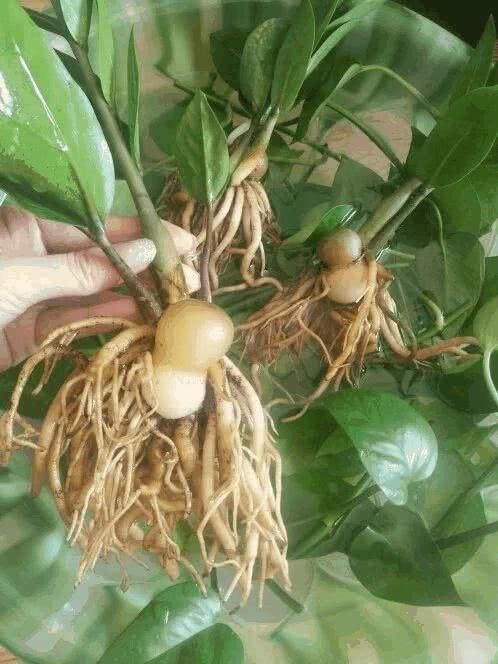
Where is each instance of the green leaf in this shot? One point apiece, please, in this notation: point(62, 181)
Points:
point(296, 206)
point(359, 11)
point(432, 498)
point(202, 151)
point(293, 58)
point(76, 15)
point(483, 180)
point(395, 558)
point(486, 325)
point(216, 645)
point(461, 139)
point(460, 206)
point(45, 22)
point(133, 100)
point(327, 46)
point(324, 11)
point(226, 50)
point(104, 56)
point(299, 441)
point(123, 203)
point(467, 390)
point(476, 71)
point(395, 443)
point(258, 60)
point(173, 616)
point(53, 156)
point(321, 226)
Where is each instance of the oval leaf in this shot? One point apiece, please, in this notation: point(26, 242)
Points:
point(293, 58)
point(76, 15)
point(395, 443)
point(133, 100)
point(172, 617)
point(202, 151)
point(395, 558)
point(461, 139)
point(258, 60)
point(476, 71)
point(321, 226)
point(53, 156)
point(217, 645)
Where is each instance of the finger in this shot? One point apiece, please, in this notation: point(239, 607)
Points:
point(59, 237)
point(27, 281)
point(51, 318)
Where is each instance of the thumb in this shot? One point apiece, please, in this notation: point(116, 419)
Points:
point(28, 281)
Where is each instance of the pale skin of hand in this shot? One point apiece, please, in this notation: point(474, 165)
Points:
point(51, 274)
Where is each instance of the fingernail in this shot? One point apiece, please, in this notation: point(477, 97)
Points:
point(139, 254)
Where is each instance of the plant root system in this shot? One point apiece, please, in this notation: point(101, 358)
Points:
point(242, 218)
point(345, 334)
point(123, 477)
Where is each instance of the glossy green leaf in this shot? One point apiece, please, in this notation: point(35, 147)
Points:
point(76, 15)
point(295, 206)
point(316, 229)
point(467, 391)
point(258, 61)
point(459, 206)
point(104, 56)
point(134, 100)
point(395, 443)
point(395, 558)
point(216, 645)
point(461, 139)
point(226, 50)
point(53, 156)
point(293, 58)
point(476, 71)
point(172, 617)
point(202, 151)
point(432, 498)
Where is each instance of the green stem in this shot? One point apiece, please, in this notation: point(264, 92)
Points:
point(284, 596)
point(387, 231)
point(206, 254)
point(451, 318)
point(217, 100)
point(467, 535)
point(399, 79)
point(373, 135)
point(331, 522)
point(322, 149)
point(486, 363)
point(166, 263)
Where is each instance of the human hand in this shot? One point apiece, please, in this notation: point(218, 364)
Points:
point(51, 275)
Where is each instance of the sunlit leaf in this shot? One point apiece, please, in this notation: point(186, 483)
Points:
point(53, 156)
point(172, 617)
point(76, 15)
point(396, 445)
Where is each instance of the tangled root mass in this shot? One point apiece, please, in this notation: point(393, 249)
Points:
point(123, 477)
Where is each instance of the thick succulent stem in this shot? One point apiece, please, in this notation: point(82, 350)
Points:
point(167, 262)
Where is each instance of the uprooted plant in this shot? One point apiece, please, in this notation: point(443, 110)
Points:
point(159, 426)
